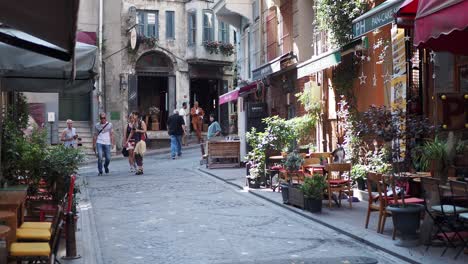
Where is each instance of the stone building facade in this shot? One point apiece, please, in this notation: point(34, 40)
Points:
point(170, 65)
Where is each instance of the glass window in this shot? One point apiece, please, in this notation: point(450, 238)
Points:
point(170, 25)
point(444, 72)
point(147, 22)
point(208, 26)
point(192, 28)
point(223, 29)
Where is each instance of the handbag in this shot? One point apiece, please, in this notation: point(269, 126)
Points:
point(125, 152)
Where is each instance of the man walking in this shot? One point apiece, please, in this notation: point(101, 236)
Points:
point(185, 114)
point(103, 141)
point(176, 128)
point(197, 114)
point(69, 135)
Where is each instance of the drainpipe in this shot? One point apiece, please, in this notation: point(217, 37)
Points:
point(100, 68)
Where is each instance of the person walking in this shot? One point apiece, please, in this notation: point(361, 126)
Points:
point(103, 141)
point(176, 128)
point(138, 135)
point(185, 114)
point(214, 129)
point(197, 114)
point(69, 135)
point(129, 144)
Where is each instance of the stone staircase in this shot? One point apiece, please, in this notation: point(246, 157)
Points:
point(84, 131)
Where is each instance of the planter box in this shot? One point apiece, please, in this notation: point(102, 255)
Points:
point(296, 197)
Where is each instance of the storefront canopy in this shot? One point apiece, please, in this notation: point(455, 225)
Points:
point(271, 67)
point(442, 25)
point(377, 17)
point(24, 70)
point(319, 63)
point(239, 91)
point(53, 21)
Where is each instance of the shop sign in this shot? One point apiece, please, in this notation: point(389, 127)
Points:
point(377, 17)
point(453, 112)
point(273, 66)
point(314, 65)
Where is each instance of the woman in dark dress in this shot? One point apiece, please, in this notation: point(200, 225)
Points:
point(129, 144)
point(138, 134)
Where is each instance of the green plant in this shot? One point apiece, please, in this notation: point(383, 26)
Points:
point(359, 171)
point(302, 126)
point(435, 151)
point(279, 133)
point(293, 161)
point(337, 16)
point(313, 187)
point(460, 148)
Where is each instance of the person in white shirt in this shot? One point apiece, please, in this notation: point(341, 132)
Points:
point(103, 141)
point(185, 113)
point(69, 135)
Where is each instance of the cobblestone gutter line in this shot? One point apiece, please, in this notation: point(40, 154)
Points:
point(292, 209)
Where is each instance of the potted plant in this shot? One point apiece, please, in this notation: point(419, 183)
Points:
point(435, 154)
point(461, 155)
point(227, 49)
point(253, 176)
point(312, 188)
point(358, 175)
point(211, 46)
point(292, 164)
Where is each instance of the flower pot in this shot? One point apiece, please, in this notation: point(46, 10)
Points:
point(361, 183)
point(296, 197)
point(254, 183)
point(285, 192)
point(437, 171)
point(407, 220)
point(313, 205)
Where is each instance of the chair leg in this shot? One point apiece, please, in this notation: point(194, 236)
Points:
point(368, 216)
point(382, 227)
point(350, 197)
point(379, 225)
point(329, 197)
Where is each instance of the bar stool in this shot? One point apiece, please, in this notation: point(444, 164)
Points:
point(9, 219)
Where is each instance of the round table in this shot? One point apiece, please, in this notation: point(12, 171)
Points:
point(10, 221)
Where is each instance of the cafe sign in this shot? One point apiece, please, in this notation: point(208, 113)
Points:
point(379, 16)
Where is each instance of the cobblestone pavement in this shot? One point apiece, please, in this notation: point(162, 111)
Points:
point(175, 214)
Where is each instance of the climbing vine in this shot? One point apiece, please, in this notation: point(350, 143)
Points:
point(336, 16)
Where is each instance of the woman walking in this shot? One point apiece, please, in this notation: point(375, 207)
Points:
point(129, 144)
point(138, 134)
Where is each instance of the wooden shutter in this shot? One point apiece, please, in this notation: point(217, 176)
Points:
point(132, 93)
point(272, 34)
point(286, 12)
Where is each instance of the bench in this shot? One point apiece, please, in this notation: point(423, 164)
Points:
point(223, 154)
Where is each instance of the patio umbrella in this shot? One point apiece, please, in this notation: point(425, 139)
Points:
point(54, 21)
point(24, 70)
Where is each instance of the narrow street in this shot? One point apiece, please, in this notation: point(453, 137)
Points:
point(176, 214)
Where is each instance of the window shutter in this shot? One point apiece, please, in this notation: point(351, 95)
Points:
point(286, 12)
point(170, 27)
point(272, 34)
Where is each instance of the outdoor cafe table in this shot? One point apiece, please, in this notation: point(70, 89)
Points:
point(9, 219)
point(13, 199)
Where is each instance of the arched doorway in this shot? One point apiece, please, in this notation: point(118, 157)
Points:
point(153, 86)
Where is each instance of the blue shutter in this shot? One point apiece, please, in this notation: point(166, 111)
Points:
point(170, 27)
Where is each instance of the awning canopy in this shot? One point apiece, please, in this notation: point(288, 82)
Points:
point(406, 13)
point(239, 91)
point(23, 70)
point(442, 25)
point(270, 67)
point(54, 21)
point(319, 63)
point(377, 17)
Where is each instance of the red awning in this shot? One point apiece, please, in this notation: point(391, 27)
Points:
point(248, 88)
point(407, 13)
point(442, 25)
point(228, 97)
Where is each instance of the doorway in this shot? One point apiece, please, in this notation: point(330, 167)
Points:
point(206, 93)
point(153, 91)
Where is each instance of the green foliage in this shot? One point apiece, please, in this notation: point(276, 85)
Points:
point(336, 17)
point(435, 151)
point(293, 161)
point(302, 126)
point(359, 171)
point(280, 134)
point(313, 187)
point(307, 99)
point(343, 79)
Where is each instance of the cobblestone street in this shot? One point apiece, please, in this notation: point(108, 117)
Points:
point(175, 214)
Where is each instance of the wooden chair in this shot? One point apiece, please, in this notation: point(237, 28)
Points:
point(324, 155)
point(338, 183)
point(308, 162)
point(377, 202)
point(39, 231)
point(37, 251)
